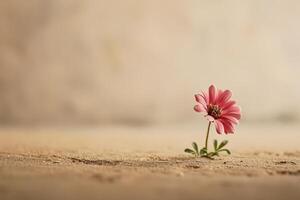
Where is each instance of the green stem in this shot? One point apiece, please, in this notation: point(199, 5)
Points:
point(207, 134)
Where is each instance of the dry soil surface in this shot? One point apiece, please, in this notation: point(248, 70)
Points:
point(132, 163)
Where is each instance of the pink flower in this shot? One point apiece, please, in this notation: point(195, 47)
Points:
point(218, 108)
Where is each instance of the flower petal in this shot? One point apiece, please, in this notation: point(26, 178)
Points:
point(232, 109)
point(220, 92)
point(230, 118)
point(228, 104)
point(235, 115)
point(199, 98)
point(219, 126)
point(223, 97)
point(212, 94)
point(228, 126)
point(199, 108)
point(205, 96)
point(210, 118)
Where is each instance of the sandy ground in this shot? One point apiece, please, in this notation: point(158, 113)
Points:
point(147, 163)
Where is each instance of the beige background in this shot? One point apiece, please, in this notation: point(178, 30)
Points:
point(140, 62)
point(96, 98)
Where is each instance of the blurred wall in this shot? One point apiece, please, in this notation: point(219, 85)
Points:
point(140, 62)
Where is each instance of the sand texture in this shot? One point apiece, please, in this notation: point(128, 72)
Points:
point(91, 164)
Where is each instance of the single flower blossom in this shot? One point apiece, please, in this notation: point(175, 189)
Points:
point(218, 108)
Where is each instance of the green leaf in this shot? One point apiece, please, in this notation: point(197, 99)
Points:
point(203, 151)
point(223, 143)
point(195, 146)
point(216, 145)
point(211, 154)
point(226, 150)
point(187, 150)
